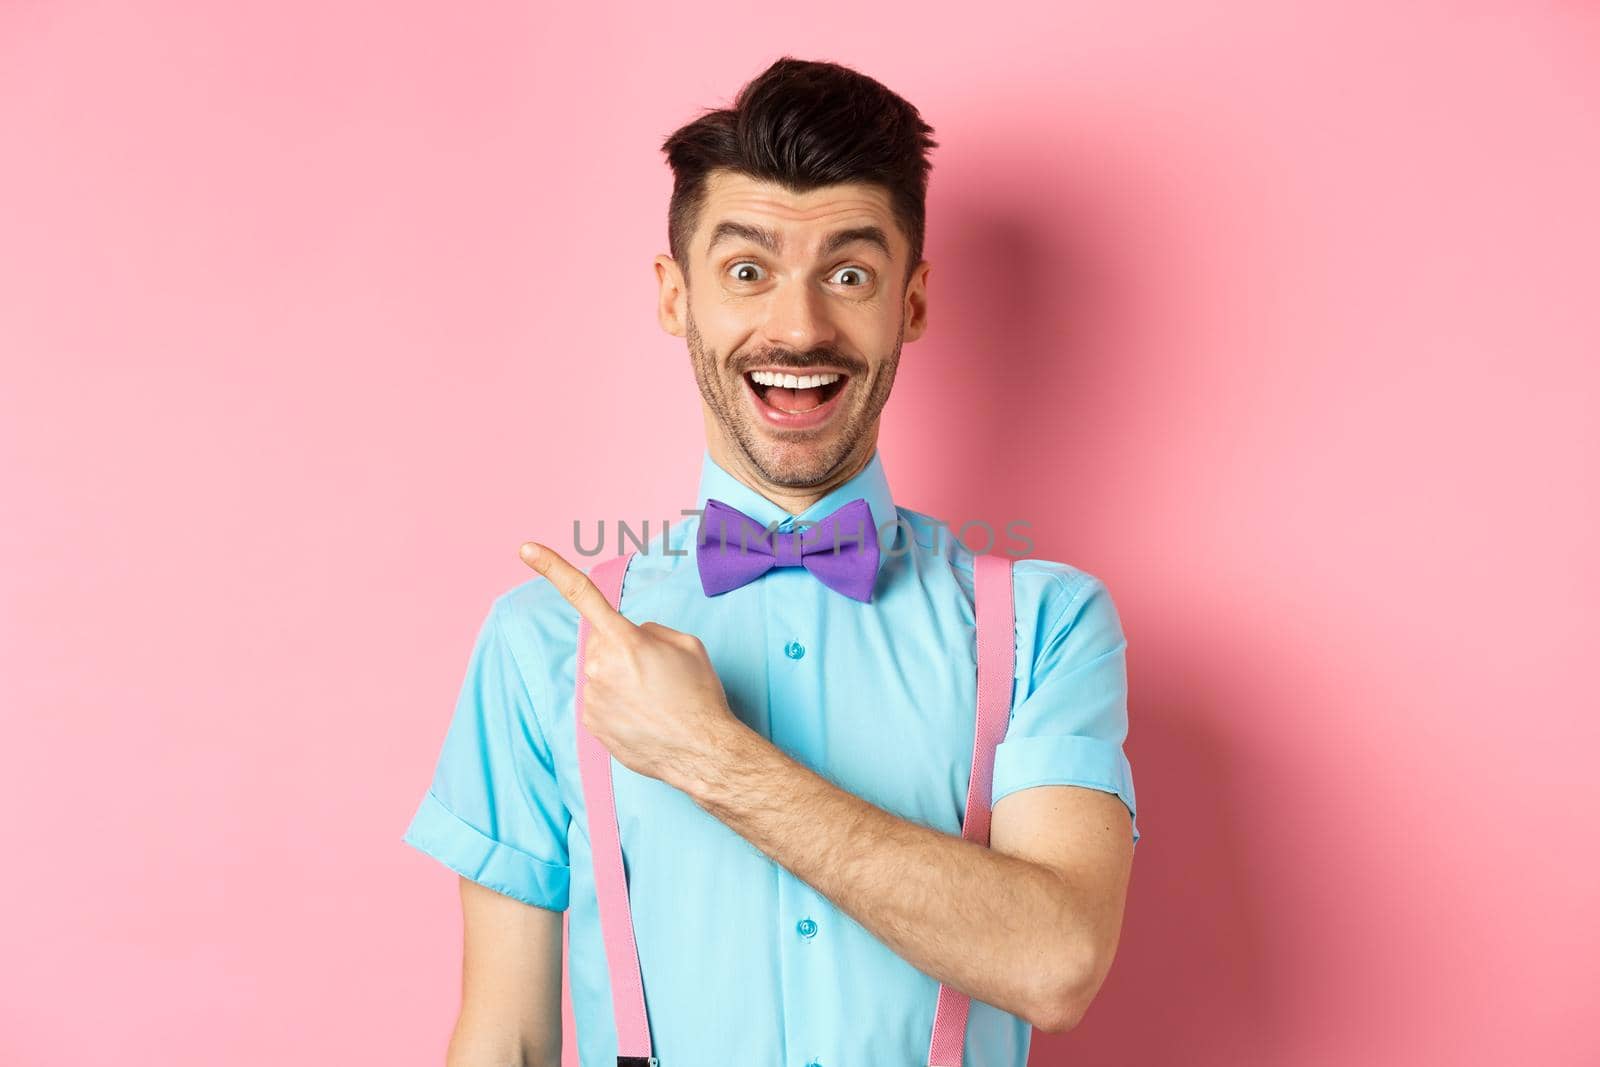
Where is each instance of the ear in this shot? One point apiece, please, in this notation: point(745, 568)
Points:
point(672, 301)
point(916, 309)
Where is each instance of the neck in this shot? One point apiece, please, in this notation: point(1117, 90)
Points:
point(793, 499)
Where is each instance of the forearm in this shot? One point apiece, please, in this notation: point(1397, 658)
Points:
point(478, 1042)
point(470, 1055)
point(1001, 929)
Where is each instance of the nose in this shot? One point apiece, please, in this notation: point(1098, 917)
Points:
point(798, 317)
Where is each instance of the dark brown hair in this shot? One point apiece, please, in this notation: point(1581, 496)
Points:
point(805, 124)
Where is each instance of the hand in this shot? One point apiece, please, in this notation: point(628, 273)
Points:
point(651, 695)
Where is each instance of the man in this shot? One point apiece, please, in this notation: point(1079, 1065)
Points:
point(790, 761)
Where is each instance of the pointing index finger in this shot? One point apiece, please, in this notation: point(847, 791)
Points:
point(573, 584)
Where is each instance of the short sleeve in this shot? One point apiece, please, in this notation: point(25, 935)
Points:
point(493, 812)
point(1069, 721)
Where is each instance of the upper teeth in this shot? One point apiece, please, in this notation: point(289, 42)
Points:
point(790, 381)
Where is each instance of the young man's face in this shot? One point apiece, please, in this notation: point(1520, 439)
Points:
point(801, 284)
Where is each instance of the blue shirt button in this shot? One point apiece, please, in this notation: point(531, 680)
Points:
point(806, 928)
point(794, 650)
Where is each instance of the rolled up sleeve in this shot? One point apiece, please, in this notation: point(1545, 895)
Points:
point(493, 812)
point(1069, 726)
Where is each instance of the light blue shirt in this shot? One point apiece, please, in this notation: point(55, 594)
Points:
point(742, 962)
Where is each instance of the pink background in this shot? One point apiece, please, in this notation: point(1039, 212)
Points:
point(1280, 318)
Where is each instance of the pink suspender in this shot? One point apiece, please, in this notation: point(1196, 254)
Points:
point(992, 607)
point(605, 843)
point(996, 653)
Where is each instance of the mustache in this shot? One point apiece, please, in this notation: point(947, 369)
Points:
point(800, 361)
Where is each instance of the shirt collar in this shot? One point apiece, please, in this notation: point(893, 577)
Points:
point(868, 483)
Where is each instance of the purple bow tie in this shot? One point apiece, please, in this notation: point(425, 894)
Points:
point(841, 549)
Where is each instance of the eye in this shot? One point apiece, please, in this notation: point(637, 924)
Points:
point(745, 271)
point(863, 277)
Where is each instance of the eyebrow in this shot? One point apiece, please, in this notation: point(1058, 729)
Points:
point(728, 230)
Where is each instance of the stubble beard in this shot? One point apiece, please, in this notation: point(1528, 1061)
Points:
point(811, 458)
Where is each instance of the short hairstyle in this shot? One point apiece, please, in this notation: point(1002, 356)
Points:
point(805, 124)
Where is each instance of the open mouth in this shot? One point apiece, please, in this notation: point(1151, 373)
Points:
point(795, 394)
